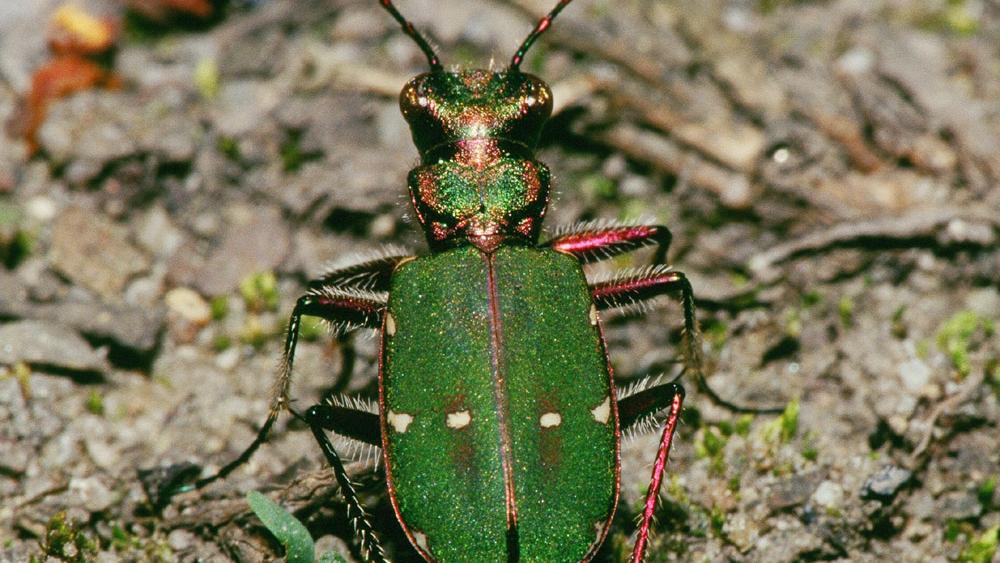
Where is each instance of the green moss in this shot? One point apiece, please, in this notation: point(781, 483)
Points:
point(953, 529)
point(718, 520)
point(811, 299)
point(899, 328)
point(221, 342)
point(743, 424)
point(255, 332)
point(64, 540)
point(785, 427)
point(312, 328)
point(220, 307)
point(260, 292)
point(955, 335)
point(923, 349)
point(597, 186)
point(845, 308)
point(206, 78)
point(711, 445)
point(809, 450)
point(293, 156)
point(121, 540)
point(715, 333)
point(769, 6)
point(793, 322)
point(95, 402)
point(16, 242)
point(229, 147)
point(734, 484)
point(986, 491)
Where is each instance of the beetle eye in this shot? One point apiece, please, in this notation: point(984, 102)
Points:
point(414, 98)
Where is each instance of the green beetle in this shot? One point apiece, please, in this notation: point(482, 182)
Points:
point(498, 416)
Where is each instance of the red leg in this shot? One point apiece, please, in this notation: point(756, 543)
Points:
point(591, 242)
point(656, 480)
point(635, 286)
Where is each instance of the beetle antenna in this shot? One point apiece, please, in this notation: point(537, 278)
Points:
point(418, 38)
point(540, 27)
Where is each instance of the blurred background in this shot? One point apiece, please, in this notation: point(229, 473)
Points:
point(172, 172)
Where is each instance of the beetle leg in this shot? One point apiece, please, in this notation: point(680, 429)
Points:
point(634, 287)
point(640, 402)
point(325, 416)
point(342, 307)
point(674, 394)
point(593, 241)
point(370, 271)
point(354, 423)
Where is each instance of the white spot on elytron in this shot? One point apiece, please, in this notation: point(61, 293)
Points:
point(400, 421)
point(530, 100)
point(390, 324)
point(421, 541)
point(459, 419)
point(550, 419)
point(422, 100)
point(593, 315)
point(602, 412)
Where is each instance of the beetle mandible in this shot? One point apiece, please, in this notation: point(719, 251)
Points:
point(498, 417)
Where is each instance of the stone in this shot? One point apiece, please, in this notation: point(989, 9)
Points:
point(885, 483)
point(188, 305)
point(793, 491)
point(829, 495)
point(48, 345)
point(94, 252)
point(257, 245)
point(129, 326)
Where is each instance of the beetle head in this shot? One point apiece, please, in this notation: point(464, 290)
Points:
point(447, 110)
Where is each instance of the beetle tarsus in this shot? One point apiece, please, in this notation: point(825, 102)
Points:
point(371, 548)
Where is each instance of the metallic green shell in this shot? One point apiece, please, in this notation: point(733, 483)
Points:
point(496, 397)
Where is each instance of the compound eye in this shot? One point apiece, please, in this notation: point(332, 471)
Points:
point(414, 98)
point(538, 99)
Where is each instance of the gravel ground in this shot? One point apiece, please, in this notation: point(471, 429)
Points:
point(830, 171)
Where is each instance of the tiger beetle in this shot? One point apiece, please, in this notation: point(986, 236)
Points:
point(498, 419)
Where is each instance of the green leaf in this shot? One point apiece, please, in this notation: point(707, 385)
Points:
point(983, 548)
point(285, 527)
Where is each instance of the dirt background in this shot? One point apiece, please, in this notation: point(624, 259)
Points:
point(830, 171)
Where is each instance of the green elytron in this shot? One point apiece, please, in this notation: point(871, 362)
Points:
point(497, 406)
point(498, 416)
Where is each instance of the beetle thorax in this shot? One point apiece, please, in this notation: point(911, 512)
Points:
point(476, 132)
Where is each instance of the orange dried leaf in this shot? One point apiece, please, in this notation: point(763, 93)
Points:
point(58, 78)
point(74, 31)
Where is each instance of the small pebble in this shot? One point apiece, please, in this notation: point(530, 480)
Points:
point(41, 209)
point(187, 304)
point(91, 493)
point(228, 359)
point(829, 494)
point(885, 483)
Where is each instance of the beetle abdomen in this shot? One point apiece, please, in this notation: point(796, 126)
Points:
point(497, 407)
